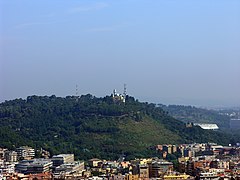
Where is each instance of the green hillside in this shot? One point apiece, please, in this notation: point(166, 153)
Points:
point(94, 127)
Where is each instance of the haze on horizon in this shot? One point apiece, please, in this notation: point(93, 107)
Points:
point(166, 51)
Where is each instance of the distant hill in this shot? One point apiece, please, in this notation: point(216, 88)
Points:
point(94, 127)
point(197, 115)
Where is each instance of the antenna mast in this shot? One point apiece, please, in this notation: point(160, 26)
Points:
point(124, 93)
point(77, 93)
point(125, 90)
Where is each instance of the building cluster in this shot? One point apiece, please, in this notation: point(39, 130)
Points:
point(145, 168)
point(21, 164)
point(205, 161)
point(25, 166)
point(234, 115)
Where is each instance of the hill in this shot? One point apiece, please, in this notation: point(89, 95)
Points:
point(94, 127)
point(197, 115)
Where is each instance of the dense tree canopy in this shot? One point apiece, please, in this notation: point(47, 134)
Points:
point(94, 127)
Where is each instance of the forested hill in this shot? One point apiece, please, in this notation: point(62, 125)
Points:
point(197, 115)
point(94, 127)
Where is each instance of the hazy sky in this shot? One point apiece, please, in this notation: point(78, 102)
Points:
point(166, 51)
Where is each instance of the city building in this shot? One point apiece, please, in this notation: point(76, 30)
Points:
point(33, 166)
point(7, 167)
point(143, 171)
point(94, 162)
point(10, 156)
point(70, 168)
point(167, 148)
point(21, 167)
point(159, 167)
point(25, 152)
point(62, 159)
point(2, 153)
point(39, 166)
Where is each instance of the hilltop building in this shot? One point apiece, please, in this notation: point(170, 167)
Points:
point(119, 97)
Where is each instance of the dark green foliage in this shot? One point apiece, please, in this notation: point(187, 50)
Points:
point(94, 127)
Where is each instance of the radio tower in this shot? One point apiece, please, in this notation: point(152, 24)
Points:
point(77, 93)
point(124, 93)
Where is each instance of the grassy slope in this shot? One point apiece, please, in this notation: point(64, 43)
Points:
point(147, 132)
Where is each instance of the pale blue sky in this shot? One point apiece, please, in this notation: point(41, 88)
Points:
point(166, 51)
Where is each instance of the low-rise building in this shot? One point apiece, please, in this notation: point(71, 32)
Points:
point(7, 168)
point(21, 167)
point(62, 159)
point(34, 166)
point(2, 152)
point(94, 162)
point(25, 152)
point(159, 167)
point(70, 168)
point(39, 166)
point(10, 156)
point(143, 171)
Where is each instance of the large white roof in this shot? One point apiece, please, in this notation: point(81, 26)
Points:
point(207, 126)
